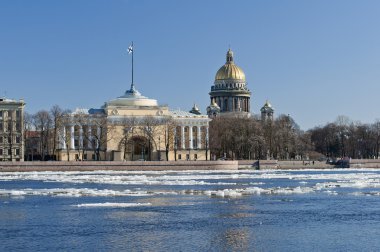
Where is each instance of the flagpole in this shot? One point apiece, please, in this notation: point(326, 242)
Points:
point(132, 61)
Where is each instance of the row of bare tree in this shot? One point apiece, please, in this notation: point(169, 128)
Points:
point(41, 133)
point(345, 138)
point(251, 138)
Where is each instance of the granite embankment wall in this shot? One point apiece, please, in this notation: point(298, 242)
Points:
point(117, 166)
point(286, 165)
point(365, 163)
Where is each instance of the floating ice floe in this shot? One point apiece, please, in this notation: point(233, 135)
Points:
point(113, 205)
point(200, 182)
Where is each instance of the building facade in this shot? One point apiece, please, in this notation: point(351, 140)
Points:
point(11, 130)
point(229, 95)
point(134, 127)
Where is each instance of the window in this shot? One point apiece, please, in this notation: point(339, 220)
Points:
point(93, 156)
point(85, 157)
point(18, 126)
point(9, 139)
point(195, 156)
point(76, 157)
point(10, 114)
point(179, 156)
point(187, 157)
point(18, 113)
point(1, 114)
point(1, 140)
point(17, 151)
point(17, 139)
point(9, 152)
point(1, 151)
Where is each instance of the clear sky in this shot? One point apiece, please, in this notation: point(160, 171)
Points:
point(314, 60)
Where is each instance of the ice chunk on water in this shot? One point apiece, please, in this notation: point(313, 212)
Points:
point(113, 205)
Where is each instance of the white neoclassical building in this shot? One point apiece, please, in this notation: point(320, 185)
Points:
point(134, 127)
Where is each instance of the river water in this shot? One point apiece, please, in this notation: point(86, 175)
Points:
point(308, 210)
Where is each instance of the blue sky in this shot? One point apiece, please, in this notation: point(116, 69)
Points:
point(314, 60)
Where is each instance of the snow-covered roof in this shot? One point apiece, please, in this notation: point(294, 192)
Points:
point(181, 113)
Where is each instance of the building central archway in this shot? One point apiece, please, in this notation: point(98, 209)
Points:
point(135, 148)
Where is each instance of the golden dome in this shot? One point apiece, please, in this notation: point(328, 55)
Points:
point(229, 70)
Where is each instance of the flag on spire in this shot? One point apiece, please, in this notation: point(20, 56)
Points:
point(130, 49)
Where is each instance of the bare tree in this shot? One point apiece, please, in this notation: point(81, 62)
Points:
point(129, 124)
point(62, 131)
point(104, 133)
point(43, 124)
point(151, 126)
point(56, 114)
point(169, 134)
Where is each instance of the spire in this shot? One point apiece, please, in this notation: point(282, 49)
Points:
point(230, 56)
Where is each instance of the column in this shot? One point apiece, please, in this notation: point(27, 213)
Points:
point(80, 137)
point(89, 141)
point(207, 142)
point(63, 138)
point(98, 135)
point(72, 143)
point(199, 137)
point(183, 137)
point(190, 137)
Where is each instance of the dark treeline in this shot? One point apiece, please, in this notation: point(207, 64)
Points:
point(251, 138)
point(345, 138)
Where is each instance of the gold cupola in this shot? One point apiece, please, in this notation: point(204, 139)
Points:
point(230, 71)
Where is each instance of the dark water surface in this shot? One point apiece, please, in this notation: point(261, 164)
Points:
point(333, 210)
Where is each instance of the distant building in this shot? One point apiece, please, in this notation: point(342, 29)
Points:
point(229, 95)
point(267, 112)
point(11, 130)
point(134, 127)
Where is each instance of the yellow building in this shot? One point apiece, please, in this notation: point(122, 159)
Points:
point(134, 127)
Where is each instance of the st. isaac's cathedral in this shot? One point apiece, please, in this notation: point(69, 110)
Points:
point(230, 95)
point(134, 127)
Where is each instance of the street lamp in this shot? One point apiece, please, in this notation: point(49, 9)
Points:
point(159, 148)
point(175, 148)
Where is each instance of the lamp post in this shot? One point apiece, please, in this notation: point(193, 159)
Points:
point(142, 151)
point(159, 148)
point(175, 148)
